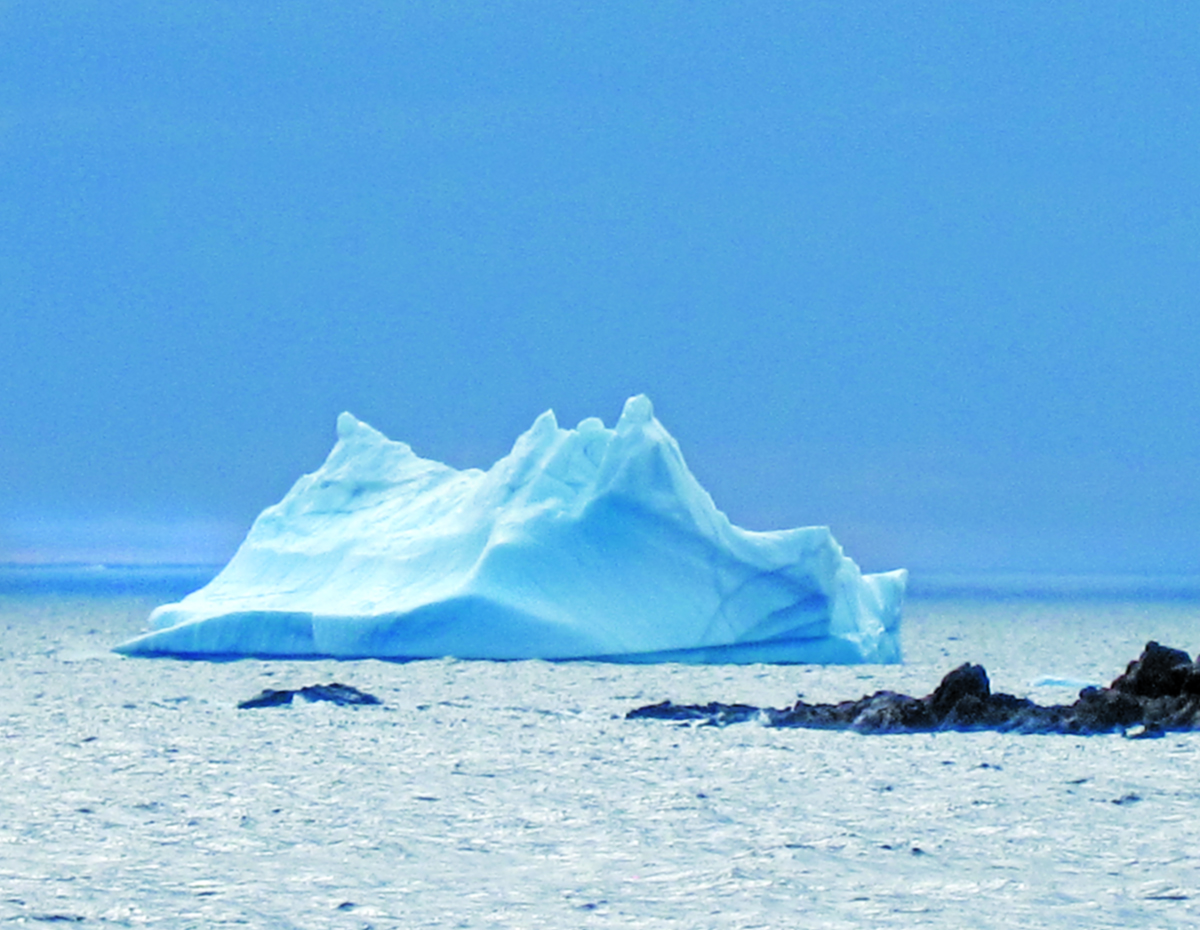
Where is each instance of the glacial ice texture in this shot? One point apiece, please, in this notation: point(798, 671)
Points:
point(591, 543)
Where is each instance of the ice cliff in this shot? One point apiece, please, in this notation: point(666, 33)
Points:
point(590, 543)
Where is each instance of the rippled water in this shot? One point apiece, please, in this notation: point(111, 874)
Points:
point(515, 795)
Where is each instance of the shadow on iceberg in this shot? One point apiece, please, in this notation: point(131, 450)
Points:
point(590, 543)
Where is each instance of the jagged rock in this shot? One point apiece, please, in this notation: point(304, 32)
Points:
point(334, 692)
point(1159, 692)
point(966, 681)
point(1159, 672)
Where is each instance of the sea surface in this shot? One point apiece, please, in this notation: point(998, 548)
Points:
point(134, 793)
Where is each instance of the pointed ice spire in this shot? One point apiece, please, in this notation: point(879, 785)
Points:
point(348, 425)
point(638, 412)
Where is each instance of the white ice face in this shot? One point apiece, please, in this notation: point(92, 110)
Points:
point(580, 543)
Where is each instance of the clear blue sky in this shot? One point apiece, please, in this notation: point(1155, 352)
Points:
point(924, 272)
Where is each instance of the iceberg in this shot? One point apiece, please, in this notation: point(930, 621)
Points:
point(585, 543)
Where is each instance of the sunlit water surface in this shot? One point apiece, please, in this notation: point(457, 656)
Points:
point(133, 792)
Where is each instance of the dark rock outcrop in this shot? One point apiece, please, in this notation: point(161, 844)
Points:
point(336, 693)
point(1159, 692)
point(1160, 672)
point(719, 714)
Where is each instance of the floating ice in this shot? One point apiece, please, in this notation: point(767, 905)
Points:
point(589, 543)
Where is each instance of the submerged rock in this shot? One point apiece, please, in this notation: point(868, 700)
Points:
point(1159, 692)
point(334, 692)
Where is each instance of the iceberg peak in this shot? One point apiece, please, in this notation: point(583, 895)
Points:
point(580, 543)
point(638, 411)
point(348, 425)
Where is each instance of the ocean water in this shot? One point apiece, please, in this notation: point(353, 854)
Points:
point(134, 793)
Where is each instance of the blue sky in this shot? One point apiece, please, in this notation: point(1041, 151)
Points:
point(924, 272)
